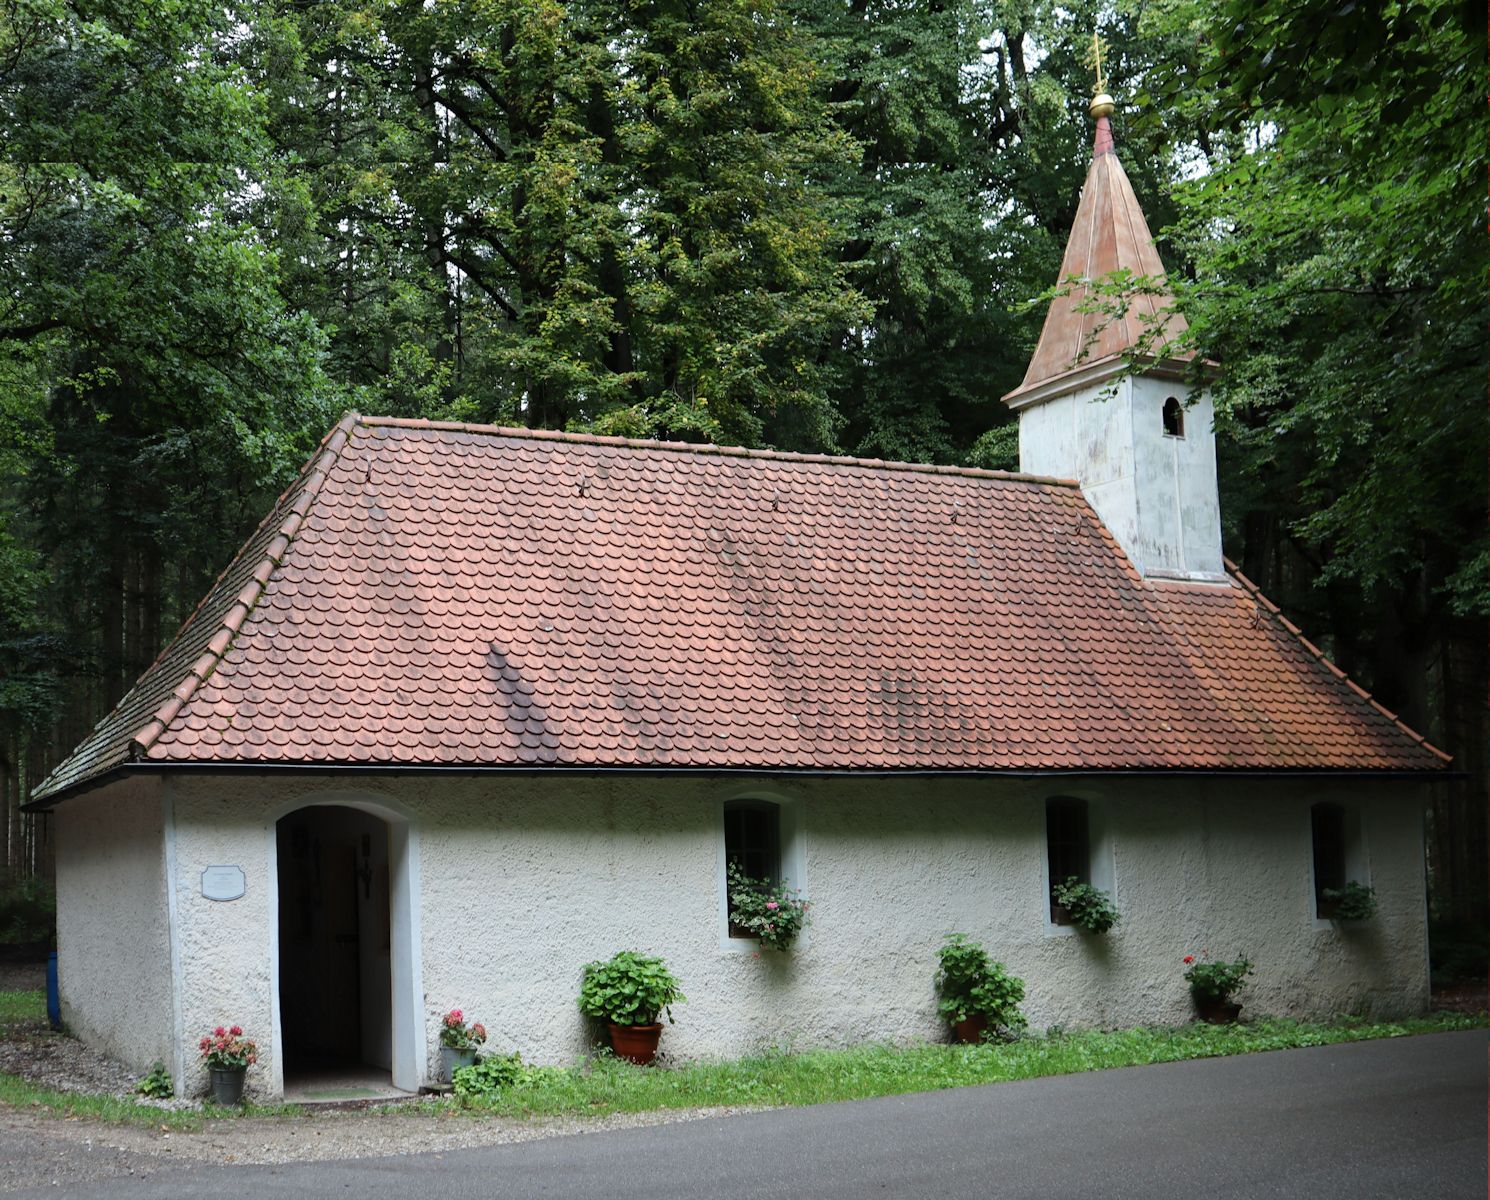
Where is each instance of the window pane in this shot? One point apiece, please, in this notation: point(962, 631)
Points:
point(1329, 852)
point(752, 841)
point(1068, 843)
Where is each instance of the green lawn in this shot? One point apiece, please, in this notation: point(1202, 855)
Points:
point(607, 1085)
point(17, 1093)
point(22, 1006)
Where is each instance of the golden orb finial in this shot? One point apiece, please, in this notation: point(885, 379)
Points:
point(1102, 104)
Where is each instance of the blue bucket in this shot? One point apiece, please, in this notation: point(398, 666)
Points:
point(54, 997)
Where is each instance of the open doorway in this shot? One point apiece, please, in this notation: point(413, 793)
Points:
point(335, 953)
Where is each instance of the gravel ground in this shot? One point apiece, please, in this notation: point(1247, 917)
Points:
point(23, 977)
point(39, 1149)
point(42, 1151)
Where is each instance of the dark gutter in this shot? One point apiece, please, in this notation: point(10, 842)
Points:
point(1441, 775)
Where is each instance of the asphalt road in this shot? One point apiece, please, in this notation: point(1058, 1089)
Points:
point(1402, 1118)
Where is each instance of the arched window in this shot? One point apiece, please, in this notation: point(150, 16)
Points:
point(1174, 418)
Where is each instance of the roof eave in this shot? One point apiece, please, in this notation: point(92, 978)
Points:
point(1103, 370)
point(1398, 774)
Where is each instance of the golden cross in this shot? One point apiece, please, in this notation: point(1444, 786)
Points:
point(1096, 63)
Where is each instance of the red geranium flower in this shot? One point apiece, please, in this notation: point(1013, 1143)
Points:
point(1189, 958)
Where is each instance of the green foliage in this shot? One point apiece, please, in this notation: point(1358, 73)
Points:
point(1090, 908)
point(769, 911)
point(996, 450)
point(156, 1084)
point(628, 989)
point(969, 984)
point(28, 911)
point(493, 1075)
point(1324, 251)
point(1353, 902)
point(1216, 980)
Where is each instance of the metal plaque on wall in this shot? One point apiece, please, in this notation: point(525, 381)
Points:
point(222, 883)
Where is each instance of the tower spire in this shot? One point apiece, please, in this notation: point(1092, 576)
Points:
point(1103, 400)
point(1102, 104)
point(1080, 339)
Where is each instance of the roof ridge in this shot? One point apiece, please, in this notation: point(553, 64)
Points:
point(1298, 634)
point(312, 475)
point(710, 448)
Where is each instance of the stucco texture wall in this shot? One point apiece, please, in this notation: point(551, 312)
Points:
point(113, 935)
point(523, 879)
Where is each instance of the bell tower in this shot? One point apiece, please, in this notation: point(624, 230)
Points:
point(1142, 445)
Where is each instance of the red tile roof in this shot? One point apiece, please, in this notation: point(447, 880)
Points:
point(436, 594)
point(1108, 235)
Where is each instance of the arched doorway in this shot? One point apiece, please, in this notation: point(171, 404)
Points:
point(336, 866)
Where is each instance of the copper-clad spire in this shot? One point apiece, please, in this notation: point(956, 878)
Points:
point(1109, 234)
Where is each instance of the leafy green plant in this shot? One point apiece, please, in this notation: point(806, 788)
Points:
point(629, 989)
point(769, 911)
point(157, 1083)
point(970, 984)
point(492, 1075)
point(1353, 902)
point(1216, 981)
point(1090, 908)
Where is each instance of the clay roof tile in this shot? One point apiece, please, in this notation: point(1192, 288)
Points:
point(729, 634)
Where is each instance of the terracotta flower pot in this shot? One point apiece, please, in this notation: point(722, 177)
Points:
point(635, 1043)
point(227, 1085)
point(970, 1030)
point(1217, 1012)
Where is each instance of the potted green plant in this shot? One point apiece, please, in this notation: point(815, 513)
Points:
point(228, 1055)
point(769, 912)
point(1212, 985)
point(1353, 902)
point(1086, 907)
point(977, 997)
point(459, 1042)
point(629, 992)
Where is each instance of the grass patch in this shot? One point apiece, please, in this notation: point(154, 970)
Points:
point(16, 1092)
point(607, 1085)
point(23, 1006)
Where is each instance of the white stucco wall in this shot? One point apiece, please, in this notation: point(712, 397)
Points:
point(523, 879)
point(1157, 494)
point(113, 937)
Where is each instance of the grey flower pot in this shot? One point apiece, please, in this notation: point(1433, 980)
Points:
point(451, 1059)
point(227, 1085)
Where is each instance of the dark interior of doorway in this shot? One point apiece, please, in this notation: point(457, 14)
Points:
point(335, 984)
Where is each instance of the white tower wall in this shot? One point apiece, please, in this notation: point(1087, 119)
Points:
point(1154, 491)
